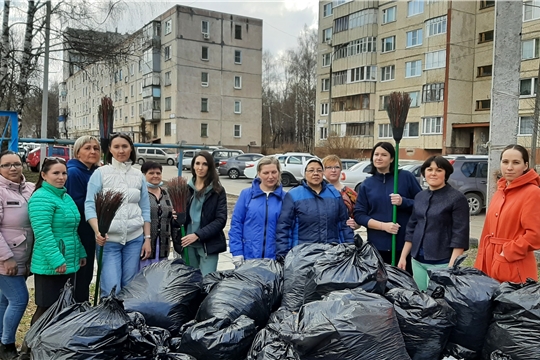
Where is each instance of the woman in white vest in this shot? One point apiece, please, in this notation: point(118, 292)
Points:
point(128, 239)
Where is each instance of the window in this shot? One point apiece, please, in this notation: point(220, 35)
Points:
point(204, 54)
point(238, 32)
point(414, 38)
point(389, 15)
point(132, 90)
point(205, 28)
point(359, 129)
point(237, 131)
point(168, 52)
point(433, 92)
point(168, 129)
point(237, 82)
point(436, 26)
point(167, 104)
point(237, 56)
point(413, 68)
point(132, 110)
point(204, 105)
point(204, 130)
point(531, 10)
point(529, 49)
point(237, 107)
point(411, 129)
point(415, 7)
point(324, 109)
point(132, 72)
point(389, 44)
point(341, 24)
point(363, 73)
point(388, 73)
point(432, 125)
point(436, 59)
point(204, 79)
point(168, 27)
point(363, 17)
point(383, 102)
point(485, 36)
point(351, 102)
point(415, 97)
point(486, 3)
point(385, 131)
point(325, 84)
point(339, 78)
point(140, 108)
point(483, 104)
point(327, 10)
point(527, 87)
point(326, 60)
point(327, 35)
point(167, 80)
point(323, 133)
point(484, 70)
point(526, 125)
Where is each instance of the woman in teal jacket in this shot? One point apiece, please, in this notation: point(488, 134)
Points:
point(58, 252)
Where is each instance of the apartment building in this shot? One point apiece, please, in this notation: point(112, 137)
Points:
point(440, 52)
point(191, 76)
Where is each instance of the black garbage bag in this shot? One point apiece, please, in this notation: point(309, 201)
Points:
point(345, 266)
point(298, 263)
point(455, 351)
point(219, 339)
point(499, 355)
point(268, 344)
point(470, 293)
point(253, 290)
point(145, 340)
point(214, 278)
point(515, 328)
point(425, 323)
point(398, 278)
point(167, 293)
point(99, 333)
point(347, 324)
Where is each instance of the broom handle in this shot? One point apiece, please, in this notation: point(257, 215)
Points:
point(186, 254)
point(394, 207)
point(98, 277)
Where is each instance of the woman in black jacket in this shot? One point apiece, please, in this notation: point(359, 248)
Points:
point(206, 215)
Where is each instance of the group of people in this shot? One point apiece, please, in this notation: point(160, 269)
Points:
point(50, 229)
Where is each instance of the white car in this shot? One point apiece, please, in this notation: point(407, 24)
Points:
point(292, 166)
point(356, 175)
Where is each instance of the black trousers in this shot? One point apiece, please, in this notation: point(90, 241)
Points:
point(387, 257)
point(84, 276)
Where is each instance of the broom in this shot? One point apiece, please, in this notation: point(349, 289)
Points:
point(107, 204)
point(179, 193)
point(397, 109)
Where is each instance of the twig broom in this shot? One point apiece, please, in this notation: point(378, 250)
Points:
point(178, 189)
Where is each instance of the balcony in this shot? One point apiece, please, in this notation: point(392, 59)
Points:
point(152, 115)
point(151, 79)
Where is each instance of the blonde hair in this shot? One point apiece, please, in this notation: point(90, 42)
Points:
point(83, 140)
point(270, 160)
point(330, 159)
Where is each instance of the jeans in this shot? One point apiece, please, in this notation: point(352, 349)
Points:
point(13, 301)
point(420, 273)
point(120, 264)
point(198, 259)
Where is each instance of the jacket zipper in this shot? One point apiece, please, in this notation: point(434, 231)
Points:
point(265, 227)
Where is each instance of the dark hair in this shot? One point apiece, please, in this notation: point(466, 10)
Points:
point(441, 163)
point(212, 175)
point(47, 165)
point(388, 147)
point(9, 152)
point(132, 156)
point(150, 165)
point(521, 149)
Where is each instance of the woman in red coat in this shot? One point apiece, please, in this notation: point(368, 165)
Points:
point(512, 228)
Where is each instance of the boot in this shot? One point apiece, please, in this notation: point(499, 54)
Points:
point(24, 354)
point(8, 351)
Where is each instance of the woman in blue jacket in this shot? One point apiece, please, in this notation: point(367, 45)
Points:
point(253, 225)
point(312, 212)
point(373, 208)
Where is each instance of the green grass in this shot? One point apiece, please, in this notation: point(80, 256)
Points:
point(30, 176)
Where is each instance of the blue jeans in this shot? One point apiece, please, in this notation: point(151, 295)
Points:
point(198, 259)
point(13, 301)
point(120, 264)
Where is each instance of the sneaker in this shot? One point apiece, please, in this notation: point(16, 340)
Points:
point(8, 352)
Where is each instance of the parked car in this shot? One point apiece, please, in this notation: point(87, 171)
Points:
point(292, 166)
point(355, 176)
point(23, 152)
point(33, 157)
point(187, 156)
point(348, 163)
point(414, 168)
point(235, 166)
point(155, 154)
point(224, 154)
point(251, 172)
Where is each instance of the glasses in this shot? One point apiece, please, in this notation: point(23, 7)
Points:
point(311, 171)
point(8, 166)
point(54, 159)
point(332, 168)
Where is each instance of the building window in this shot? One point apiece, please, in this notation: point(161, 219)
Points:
point(411, 129)
point(483, 104)
point(527, 87)
point(323, 133)
point(486, 3)
point(326, 60)
point(167, 129)
point(327, 35)
point(204, 79)
point(383, 102)
point(432, 125)
point(204, 130)
point(237, 82)
point(389, 15)
point(363, 73)
point(325, 84)
point(341, 24)
point(529, 49)
point(238, 32)
point(385, 131)
point(436, 26)
point(485, 36)
point(167, 80)
point(237, 56)
point(168, 52)
point(358, 46)
point(327, 10)
point(359, 129)
point(414, 38)
point(204, 54)
point(484, 70)
point(132, 90)
point(413, 68)
point(433, 92)
point(204, 105)
point(324, 109)
point(205, 27)
point(339, 78)
point(352, 102)
point(140, 108)
point(167, 104)
point(237, 131)
point(132, 72)
point(237, 107)
point(415, 98)
point(388, 73)
point(389, 44)
point(168, 27)
point(436, 59)
point(531, 10)
point(526, 125)
point(132, 111)
point(415, 7)
point(363, 17)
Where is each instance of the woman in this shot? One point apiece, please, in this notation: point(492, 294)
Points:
point(87, 155)
point(253, 225)
point(332, 173)
point(206, 215)
point(58, 253)
point(128, 239)
point(373, 208)
point(161, 214)
point(16, 241)
point(312, 212)
point(438, 230)
point(511, 229)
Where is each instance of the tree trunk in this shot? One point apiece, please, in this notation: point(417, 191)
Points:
point(26, 66)
point(4, 51)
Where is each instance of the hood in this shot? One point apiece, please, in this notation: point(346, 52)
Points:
point(13, 185)
point(76, 163)
point(530, 177)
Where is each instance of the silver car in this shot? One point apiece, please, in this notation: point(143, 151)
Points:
point(163, 156)
point(355, 176)
point(234, 167)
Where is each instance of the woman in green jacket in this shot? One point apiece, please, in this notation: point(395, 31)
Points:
point(58, 251)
